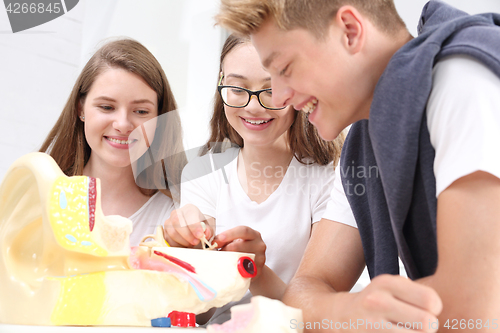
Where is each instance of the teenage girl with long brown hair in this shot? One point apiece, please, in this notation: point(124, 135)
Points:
point(121, 88)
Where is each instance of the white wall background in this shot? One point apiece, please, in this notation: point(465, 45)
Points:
point(38, 67)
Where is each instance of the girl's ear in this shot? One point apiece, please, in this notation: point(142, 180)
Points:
point(81, 114)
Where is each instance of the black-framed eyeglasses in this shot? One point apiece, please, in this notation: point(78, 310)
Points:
point(237, 97)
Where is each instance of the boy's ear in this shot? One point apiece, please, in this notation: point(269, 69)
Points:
point(352, 24)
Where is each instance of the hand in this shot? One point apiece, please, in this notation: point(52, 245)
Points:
point(183, 228)
point(389, 299)
point(244, 239)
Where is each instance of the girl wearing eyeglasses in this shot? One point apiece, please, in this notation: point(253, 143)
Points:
point(275, 188)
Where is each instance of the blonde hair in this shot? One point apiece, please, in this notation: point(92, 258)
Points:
point(245, 17)
point(66, 142)
point(303, 138)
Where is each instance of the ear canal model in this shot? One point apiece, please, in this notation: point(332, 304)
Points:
point(62, 262)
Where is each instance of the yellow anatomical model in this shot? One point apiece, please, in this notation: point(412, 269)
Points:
point(62, 262)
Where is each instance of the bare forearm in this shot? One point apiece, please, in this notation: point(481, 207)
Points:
point(467, 302)
point(268, 284)
point(467, 276)
point(312, 295)
point(331, 265)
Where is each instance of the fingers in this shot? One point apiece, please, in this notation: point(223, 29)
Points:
point(411, 292)
point(193, 219)
point(240, 232)
point(183, 228)
point(171, 229)
point(240, 245)
point(209, 227)
point(256, 246)
point(410, 317)
point(244, 239)
point(402, 315)
point(402, 302)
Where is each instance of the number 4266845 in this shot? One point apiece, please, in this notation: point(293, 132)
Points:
point(24, 8)
point(462, 324)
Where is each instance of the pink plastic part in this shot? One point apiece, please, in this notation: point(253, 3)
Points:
point(177, 261)
point(141, 260)
point(239, 321)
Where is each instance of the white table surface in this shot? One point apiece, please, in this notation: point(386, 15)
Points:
point(5, 328)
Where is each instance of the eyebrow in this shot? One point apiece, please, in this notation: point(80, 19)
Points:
point(237, 76)
point(138, 101)
point(269, 59)
point(242, 77)
point(141, 101)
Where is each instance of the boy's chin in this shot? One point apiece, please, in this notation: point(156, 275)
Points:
point(327, 134)
point(326, 131)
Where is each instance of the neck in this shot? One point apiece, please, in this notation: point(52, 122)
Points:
point(276, 154)
point(262, 168)
point(115, 181)
point(380, 51)
point(388, 45)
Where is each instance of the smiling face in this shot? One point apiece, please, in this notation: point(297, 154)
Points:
point(256, 125)
point(322, 76)
point(117, 103)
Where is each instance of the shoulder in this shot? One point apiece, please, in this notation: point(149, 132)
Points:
point(208, 163)
point(461, 68)
point(461, 84)
point(155, 210)
point(463, 119)
point(207, 169)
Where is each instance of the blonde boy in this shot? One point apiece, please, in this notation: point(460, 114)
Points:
point(426, 114)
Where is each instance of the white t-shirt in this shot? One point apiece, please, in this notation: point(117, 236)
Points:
point(463, 118)
point(338, 208)
point(284, 219)
point(153, 213)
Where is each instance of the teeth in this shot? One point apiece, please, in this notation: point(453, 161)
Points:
point(123, 142)
point(309, 107)
point(256, 122)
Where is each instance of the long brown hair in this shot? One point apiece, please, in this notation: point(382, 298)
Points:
point(66, 141)
point(303, 138)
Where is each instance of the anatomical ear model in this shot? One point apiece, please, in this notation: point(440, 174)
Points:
point(62, 262)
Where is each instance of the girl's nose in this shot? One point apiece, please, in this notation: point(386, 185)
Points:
point(122, 122)
point(254, 105)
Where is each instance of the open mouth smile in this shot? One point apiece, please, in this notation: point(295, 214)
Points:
point(257, 122)
point(310, 107)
